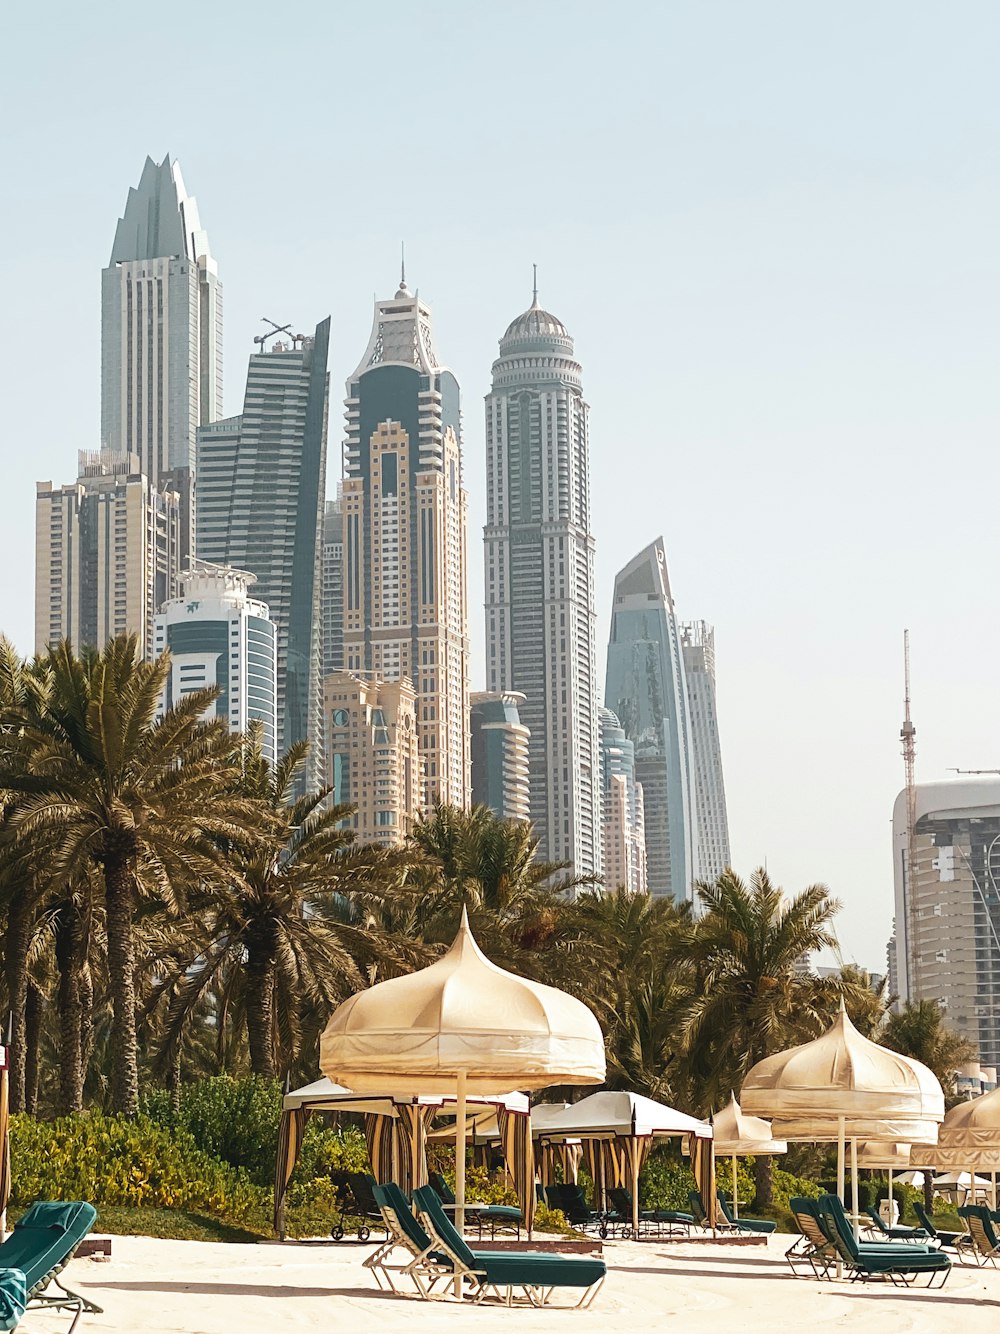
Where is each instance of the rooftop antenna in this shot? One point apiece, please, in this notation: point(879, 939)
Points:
point(908, 736)
point(402, 263)
point(273, 332)
point(534, 293)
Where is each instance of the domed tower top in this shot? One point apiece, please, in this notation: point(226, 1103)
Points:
point(536, 331)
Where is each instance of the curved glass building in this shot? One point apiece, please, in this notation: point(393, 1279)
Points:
point(647, 688)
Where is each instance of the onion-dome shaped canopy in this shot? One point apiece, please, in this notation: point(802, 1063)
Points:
point(880, 1094)
point(738, 1135)
point(535, 323)
point(462, 1015)
point(969, 1136)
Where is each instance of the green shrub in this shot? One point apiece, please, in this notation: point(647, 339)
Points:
point(116, 1161)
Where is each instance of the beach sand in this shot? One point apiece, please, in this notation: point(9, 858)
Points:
point(212, 1288)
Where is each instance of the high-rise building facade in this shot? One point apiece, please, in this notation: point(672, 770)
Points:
point(539, 553)
point(405, 514)
point(622, 810)
point(947, 936)
point(261, 482)
point(499, 743)
point(373, 754)
point(646, 687)
point(698, 646)
point(107, 553)
point(219, 636)
point(333, 587)
point(161, 334)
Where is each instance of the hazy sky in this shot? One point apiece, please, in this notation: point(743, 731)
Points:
point(773, 230)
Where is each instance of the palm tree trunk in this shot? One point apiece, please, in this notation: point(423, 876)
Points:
point(118, 892)
point(34, 1005)
point(763, 1181)
point(70, 951)
point(87, 1017)
point(16, 943)
point(260, 1016)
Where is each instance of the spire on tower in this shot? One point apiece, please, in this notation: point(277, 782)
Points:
point(534, 293)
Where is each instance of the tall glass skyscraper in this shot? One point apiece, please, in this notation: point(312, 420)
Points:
point(404, 514)
point(540, 614)
point(646, 687)
point(698, 644)
point(260, 491)
point(161, 334)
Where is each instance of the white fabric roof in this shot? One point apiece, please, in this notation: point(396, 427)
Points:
point(612, 1112)
point(325, 1096)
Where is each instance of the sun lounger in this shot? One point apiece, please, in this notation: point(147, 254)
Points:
point(536, 1274)
point(41, 1246)
point(983, 1242)
point(815, 1250)
point(492, 1216)
point(361, 1186)
point(901, 1263)
point(13, 1298)
point(743, 1224)
point(953, 1239)
point(570, 1199)
point(426, 1266)
point(650, 1220)
point(879, 1228)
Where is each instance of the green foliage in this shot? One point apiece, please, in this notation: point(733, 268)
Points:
point(665, 1183)
point(232, 1119)
point(553, 1220)
point(119, 1161)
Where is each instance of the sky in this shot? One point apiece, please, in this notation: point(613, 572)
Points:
point(771, 227)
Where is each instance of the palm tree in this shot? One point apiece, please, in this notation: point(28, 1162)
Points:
point(751, 996)
point(919, 1030)
point(147, 802)
point(277, 943)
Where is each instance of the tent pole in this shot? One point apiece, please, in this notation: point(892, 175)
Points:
point(891, 1200)
point(840, 1179)
point(417, 1174)
point(460, 1164)
point(736, 1198)
point(635, 1189)
point(854, 1188)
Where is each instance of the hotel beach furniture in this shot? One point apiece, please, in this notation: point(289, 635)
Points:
point(901, 1267)
point(743, 1224)
point(537, 1275)
point(983, 1241)
point(41, 1245)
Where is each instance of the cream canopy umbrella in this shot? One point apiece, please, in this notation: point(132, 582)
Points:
point(738, 1135)
point(842, 1082)
point(462, 1026)
point(968, 1140)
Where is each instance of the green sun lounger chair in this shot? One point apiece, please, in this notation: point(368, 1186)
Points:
point(492, 1216)
point(743, 1224)
point(426, 1266)
point(536, 1274)
point(952, 1239)
point(815, 1251)
point(901, 1264)
point(13, 1298)
point(650, 1220)
point(40, 1247)
point(879, 1228)
point(983, 1241)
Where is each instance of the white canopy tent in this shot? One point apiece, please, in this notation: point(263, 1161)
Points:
point(629, 1121)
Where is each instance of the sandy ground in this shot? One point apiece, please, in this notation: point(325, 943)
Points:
point(212, 1288)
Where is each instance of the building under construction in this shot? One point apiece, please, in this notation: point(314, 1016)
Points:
point(946, 866)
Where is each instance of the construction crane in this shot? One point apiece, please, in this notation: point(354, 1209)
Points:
point(274, 332)
point(974, 771)
point(908, 736)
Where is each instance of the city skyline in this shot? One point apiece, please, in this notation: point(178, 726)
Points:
point(783, 328)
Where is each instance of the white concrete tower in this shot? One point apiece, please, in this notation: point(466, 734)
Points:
point(540, 613)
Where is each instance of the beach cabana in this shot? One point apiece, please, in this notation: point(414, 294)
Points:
point(968, 1140)
point(842, 1088)
point(738, 1135)
point(396, 1129)
point(459, 1027)
point(617, 1130)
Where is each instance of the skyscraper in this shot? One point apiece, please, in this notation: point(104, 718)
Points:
point(646, 687)
point(540, 614)
point(161, 333)
point(500, 754)
point(698, 645)
point(373, 756)
point(333, 587)
point(220, 636)
point(261, 481)
point(405, 535)
point(947, 924)
point(107, 553)
point(622, 810)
